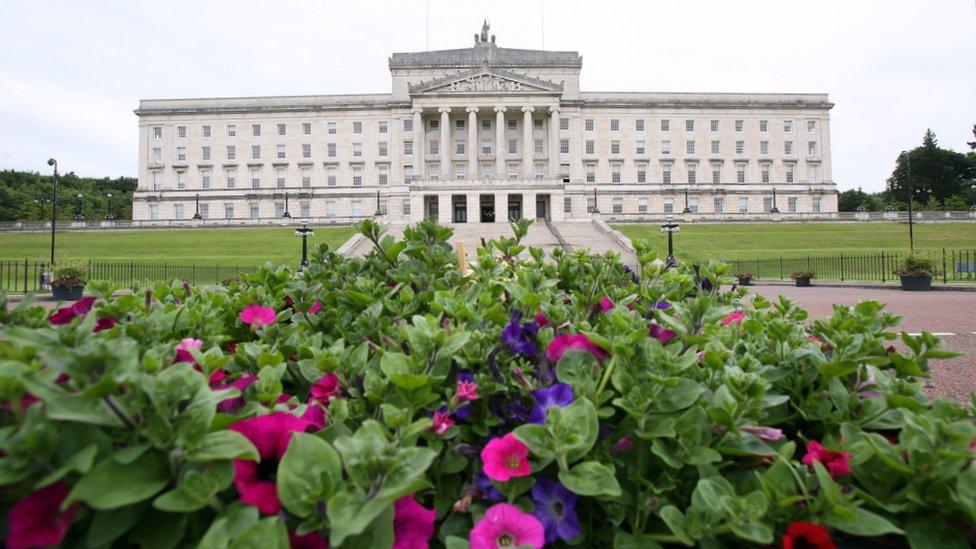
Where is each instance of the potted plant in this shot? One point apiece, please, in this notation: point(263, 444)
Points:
point(68, 283)
point(745, 279)
point(916, 274)
point(802, 278)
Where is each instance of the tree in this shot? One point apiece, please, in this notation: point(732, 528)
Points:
point(26, 196)
point(935, 172)
point(849, 200)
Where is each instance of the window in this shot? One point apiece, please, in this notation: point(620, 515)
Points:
point(231, 130)
point(791, 204)
point(205, 211)
point(180, 179)
point(330, 209)
point(567, 204)
point(306, 128)
point(205, 179)
point(666, 146)
point(811, 126)
point(689, 147)
point(588, 124)
point(764, 125)
point(615, 147)
point(256, 130)
point(591, 173)
point(642, 205)
point(788, 148)
point(382, 148)
point(718, 204)
point(332, 128)
point(642, 173)
point(764, 173)
point(790, 173)
point(157, 132)
point(331, 148)
point(459, 147)
point(692, 174)
point(813, 173)
point(590, 146)
point(513, 170)
point(512, 146)
point(357, 176)
point(693, 204)
point(230, 176)
point(279, 209)
point(383, 177)
point(281, 128)
point(206, 131)
point(716, 146)
point(408, 124)
point(306, 150)
point(384, 126)
point(357, 149)
point(716, 174)
point(156, 180)
point(615, 173)
point(740, 147)
point(639, 125)
point(640, 148)
point(665, 125)
point(434, 171)
point(306, 177)
point(767, 205)
point(154, 212)
point(539, 171)
point(382, 207)
point(228, 210)
point(539, 146)
point(666, 174)
point(764, 147)
point(357, 127)
point(537, 123)
point(433, 124)
point(669, 206)
point(459, 124)
point(157, 155)
point(564, 124)
point(407, 175)
point(205, 153)
point(615, 124)
point(738, 125)
point(231, 152)
point(485, 146)
point(811, 148)
point(256, 152)
point(408, 147)
point(256, 178)
point(713, 125)
point(435, 146)
point(787, 126)
point(304, 209)
point(816, 204)
point(181, 154)
point(181, 132)
point(512, 124)
point(280, 178)
point(689, 125)
point(280, 151)
point(486, 124)
point(406, 207)
point(255, 211)
point(740, 173)
point(564, 172)
point(330, 176)
point(618, 205)
point(590, 204)
point(743, 205)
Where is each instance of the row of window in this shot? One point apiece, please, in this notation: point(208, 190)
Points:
point(718, 205)
point(181, 211)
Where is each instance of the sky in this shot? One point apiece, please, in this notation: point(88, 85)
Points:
point(72, 72)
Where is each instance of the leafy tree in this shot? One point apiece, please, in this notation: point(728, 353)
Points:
point(935, 172)
point(26, 196)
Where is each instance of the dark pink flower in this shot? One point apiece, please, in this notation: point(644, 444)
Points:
point(767, 434)
point(606, 303)
point(216, 377)
point(505, 457)
point(467, 391)
point(310, 540)
point(505, 525)
point(442, 422)
point(84, 305)
point(316, 307)
point(541, 319)
point(232, 404)
point(660, 333)
point(183, 349)
point(624, 444)
point(37, 519)
point(734, 316)
point(580, 342)
point(106, 323)
point(413, 524)
point(836, 463)
point(65, 315)
point(255, 316)
point(314, 415)
point(326, 388)
point(270, 434)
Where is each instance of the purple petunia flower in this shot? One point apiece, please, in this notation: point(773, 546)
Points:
point(488, 490)
point(559, 394)
point(662, 305)
point(660, 333)
point(554, 508)
point(520, 337)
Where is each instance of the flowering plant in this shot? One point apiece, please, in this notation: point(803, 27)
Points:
point(802, 274)
point(69, 276)
point(536, 400)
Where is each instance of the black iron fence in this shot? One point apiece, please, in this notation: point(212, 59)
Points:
point(29, 276)
point(950, 265)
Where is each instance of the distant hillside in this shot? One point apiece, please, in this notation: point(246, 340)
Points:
point(26, 196)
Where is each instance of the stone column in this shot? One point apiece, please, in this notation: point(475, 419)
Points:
point(419, 166)
point(445, 150)
point(445, 209)
point(553, 142)
point(501, 207)
point(500, 143)
point(528, 205)
point(528, 144)
point(472, 143)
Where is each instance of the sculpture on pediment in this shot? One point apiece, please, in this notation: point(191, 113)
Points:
point(485, 82)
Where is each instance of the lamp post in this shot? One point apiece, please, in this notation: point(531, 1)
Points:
point(108, 212)
point(304, 231)
point(687, 210)
point(80, 216)
point(670, 227)
point(911, 195)
point(596, 210)
point(774, 209)
point(378, 211)
point(196, 214)
point(286, 214)
point(973, 187)
point(54, 205)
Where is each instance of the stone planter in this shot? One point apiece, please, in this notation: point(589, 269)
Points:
point(67, 293)
point(745, 282)
point(911, 283)
point(802, 282)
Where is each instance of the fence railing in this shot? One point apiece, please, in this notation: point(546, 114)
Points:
point(950, 265)
point(29, 276)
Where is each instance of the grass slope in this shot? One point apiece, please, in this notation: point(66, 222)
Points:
point(748, 241)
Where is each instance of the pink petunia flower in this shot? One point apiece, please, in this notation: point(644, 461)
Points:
point(505, 525)
point(541, 320)
point(660, 333)
point(255, 316)
point(767, 434)
point(467, 391)
point(442, 422)
point(314, 415)
point(270, 434)
point(81, 307)
point(836, 463)
point(566, 342)
point(232, 404)
point(326, 388)
point(624, 444)
point(316, 307)
point(505, 457)
point(606, 303)
point(37, 519)
point(106, 323)
point(734, 316)
point(183, 349)
point(310, 540)
point(413, 524)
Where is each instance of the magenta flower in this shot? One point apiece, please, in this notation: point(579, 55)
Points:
point(580, 342)
point(310, 540)
point(232, 404)
point(106, 323)
point(255, 316)
point(326, 388)
point(505, 525)
point(413, 524)
point(541, 320)
point(660, 333)
point(314, 415)
point(734, 316)
point(442, 422)
point(606, 303)
point(183, 349)
point(836, 463)
point(767, 434)
point(316, 307)
point(37, 519)
point(623, 444)
point(270, 434)
point(506, 457)
point(81, 307)
point(467, 391)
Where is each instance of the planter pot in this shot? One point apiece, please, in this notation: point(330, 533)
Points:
point(67, 293)
point(916, 283)
point(802, 282)
point(745, 282)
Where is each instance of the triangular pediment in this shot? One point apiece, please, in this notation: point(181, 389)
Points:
point(486, 81)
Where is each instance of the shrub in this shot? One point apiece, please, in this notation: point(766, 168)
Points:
point(801, 274)
point(71, 275)
point(391, 397)
point(914, 265)
point(745, 276)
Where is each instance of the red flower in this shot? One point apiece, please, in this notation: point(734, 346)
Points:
point(81, 307)
point(270, 434)
point(106, 323)
point(413, 524)
point(541, 319)
point(37, 521)
point(310, 540)
point(326, 388)
point(806, 535)
point(836, 463)
point(733, 317)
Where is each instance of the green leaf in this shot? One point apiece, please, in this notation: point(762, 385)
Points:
point(590, 478)
point(623, 540)
point(678, 394)
point(933, 533)
point(743, 444)
point(753, 531)
point(236, 519)
point(164, 531)
point(349, 515)
point(267, 533)
point(865, 524)
point(81, 462)
point(454, 542)
point(379, 533)
point(224, 445)
point(196, 489)
point(538, 439)
point(107, 526)
point(308, 473)
point(675, 520)
point(111, 484)
point(575, 429)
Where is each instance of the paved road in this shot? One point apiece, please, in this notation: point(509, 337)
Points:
point(951, 315)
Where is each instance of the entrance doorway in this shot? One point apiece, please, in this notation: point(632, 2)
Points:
point(514, 207)
point(542, 206)
point(487, 207)
point(431, 207)
point(460, 208)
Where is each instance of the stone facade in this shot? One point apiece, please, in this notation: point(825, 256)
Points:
point(484, 134)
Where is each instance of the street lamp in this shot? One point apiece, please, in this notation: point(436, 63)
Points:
point(973, 187)
point(196, 215)
point(378, 211)
point(54, 204)
point(687, 210)
point(911, 195)
point(596, 210)
point(774, 209)
point(108, 214)
point(286, 214)
point(670, 227)
point(304, 231)
point(80, 216)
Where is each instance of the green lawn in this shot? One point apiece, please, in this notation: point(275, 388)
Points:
point(244, 247)
point(748, 241)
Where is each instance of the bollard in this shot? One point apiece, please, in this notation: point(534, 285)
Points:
point(462, 258)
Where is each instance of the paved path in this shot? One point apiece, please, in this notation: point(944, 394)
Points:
point(950, 315)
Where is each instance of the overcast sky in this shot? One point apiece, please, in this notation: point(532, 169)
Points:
point(72, 72)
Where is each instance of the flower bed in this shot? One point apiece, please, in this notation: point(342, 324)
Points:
point(394, 400)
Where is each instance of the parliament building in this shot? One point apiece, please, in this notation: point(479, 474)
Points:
point(485, 134)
